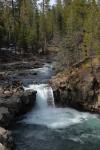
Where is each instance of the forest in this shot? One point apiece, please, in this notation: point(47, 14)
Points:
point(29, 25)
point(49, 74)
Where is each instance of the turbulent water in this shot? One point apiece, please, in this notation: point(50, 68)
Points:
point(49, 128)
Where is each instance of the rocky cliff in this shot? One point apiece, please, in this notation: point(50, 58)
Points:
point(14, 101)
point(78, 88)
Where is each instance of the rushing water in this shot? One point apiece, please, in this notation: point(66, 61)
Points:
point(49, 128)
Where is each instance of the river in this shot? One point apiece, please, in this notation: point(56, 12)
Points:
point(47, 127)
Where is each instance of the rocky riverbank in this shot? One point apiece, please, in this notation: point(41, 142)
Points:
point(6, 140)
point(78, 88)
point(14, 101)
point(16, 71)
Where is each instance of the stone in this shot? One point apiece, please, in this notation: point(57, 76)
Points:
point(77, 94)
point(16, 104)
point(6, 140)
point(12, 105)
point(57, 97)
point(2, 147)
point(35, 73)
point(5, 116)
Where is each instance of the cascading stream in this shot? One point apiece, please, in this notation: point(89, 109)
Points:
point(47, 127)
point(45, 113)
point(44, 97)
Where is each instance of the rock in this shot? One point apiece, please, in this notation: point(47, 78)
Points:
point(28, 99)
point(2, 147)
point(16, 84)
point(2, 77)
point(35, 73)
point(14, 105)
point(6, 140)
point(5, 116)
point(57, 96)
point(77, 94)
point(12, 86)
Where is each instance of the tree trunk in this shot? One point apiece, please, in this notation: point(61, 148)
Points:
point(13, 12)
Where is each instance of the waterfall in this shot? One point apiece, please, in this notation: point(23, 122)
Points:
point(44, 97)
point(45, 113)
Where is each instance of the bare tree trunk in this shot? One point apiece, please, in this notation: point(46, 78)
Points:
point(13, 12)
point(45, 45)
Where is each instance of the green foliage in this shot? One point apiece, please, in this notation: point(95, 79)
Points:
point(81, 31)
point(31, 27)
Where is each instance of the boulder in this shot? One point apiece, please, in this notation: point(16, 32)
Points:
point(2, 147)
point(12, 105)
point(5, 116)
point(6, 140)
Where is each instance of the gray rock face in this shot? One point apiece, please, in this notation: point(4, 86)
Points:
point(77, 95)
point(5, 116)
point(11, 106)
point(14, 105)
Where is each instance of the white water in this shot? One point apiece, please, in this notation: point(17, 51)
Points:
point(44, 95)
point(55, 128)
point(45, 113)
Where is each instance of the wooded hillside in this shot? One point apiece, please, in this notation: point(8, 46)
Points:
point(28, 26)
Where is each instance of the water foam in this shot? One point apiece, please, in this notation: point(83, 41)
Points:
point(55, 117)
point(52, 117)
point(45, 113)
point(44, 95)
